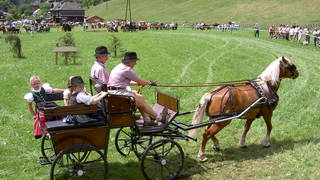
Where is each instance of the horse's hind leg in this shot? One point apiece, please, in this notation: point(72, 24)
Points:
point(267, 115)
point(210, 132)
point(205, 137)
point(215, 145)
point(242, 142)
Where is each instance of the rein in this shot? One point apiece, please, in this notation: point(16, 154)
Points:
point(237, 82)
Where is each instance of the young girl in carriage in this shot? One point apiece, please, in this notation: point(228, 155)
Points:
point(76, 94)
point(38, 95)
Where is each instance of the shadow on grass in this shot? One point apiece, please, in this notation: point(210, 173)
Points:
point(124, 171)
point(131, 170)
point(257, 151)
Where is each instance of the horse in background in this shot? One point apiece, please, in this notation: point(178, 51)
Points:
point(229, 100)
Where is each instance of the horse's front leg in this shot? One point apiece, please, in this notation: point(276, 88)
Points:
point(267, 115)
point(242, 141)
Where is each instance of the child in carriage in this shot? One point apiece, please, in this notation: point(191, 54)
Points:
point(38, 95)
point(76, 94)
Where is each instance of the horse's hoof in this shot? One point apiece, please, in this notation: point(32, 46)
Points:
point(203, 159)
point(243, 146)
point(266, 145)
point(216, 148)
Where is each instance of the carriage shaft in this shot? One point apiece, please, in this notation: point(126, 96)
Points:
point(217, 120)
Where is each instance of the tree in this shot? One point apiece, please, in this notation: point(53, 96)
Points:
point(15, 45)
point(13, 14)
point(44, 9)
point(5, 5)
point(116, 46)
point(66, 40)
point(25, 9)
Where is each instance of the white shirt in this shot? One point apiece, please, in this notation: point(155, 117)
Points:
point(66, 93)
point(83, 97)
point(29, 96)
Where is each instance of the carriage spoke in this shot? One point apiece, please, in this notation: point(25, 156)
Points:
point(86, 155)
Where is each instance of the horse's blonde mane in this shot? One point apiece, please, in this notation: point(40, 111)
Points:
point(272, 72)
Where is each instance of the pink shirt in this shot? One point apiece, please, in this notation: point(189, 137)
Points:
point(121, 75)
point(98, 71)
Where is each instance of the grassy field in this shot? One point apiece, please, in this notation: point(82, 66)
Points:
point(175, 56)
point(213, 11)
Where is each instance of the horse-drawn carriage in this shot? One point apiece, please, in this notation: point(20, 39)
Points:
point(80, 150)
point(75, 150)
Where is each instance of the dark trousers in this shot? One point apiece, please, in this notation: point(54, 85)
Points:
point(256, 33)
point(315, 41)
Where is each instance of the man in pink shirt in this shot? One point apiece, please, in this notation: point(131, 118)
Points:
point(123, 76)
point(98, 69)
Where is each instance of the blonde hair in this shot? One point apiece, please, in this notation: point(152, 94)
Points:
point(32, 78)
point(69, 82)
point(70, 89)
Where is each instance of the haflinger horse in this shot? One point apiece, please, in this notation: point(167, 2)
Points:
point(229, 100)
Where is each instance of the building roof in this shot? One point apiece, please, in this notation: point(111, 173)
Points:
point(94, 18)
point(66, 5)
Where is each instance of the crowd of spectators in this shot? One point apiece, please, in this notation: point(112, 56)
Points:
point(295, 33)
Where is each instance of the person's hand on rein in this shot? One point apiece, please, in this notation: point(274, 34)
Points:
point(152, 83)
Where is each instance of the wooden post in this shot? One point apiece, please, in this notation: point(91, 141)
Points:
point(65, 58)
point(57, 44)
point(56, 58)
point(74, 57)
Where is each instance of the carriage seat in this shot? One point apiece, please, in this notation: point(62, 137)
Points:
point(51, 97)
point(163, 101)
point(97, 85)
point(53, 126)
point(70, 110)
point(120, 110)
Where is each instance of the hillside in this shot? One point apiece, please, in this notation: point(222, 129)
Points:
point(214, 11)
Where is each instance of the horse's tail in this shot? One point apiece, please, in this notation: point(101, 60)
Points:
point(200, 110)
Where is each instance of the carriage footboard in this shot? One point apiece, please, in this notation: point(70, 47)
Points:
point(187, 127)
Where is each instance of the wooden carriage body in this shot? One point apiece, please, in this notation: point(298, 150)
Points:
point(72, 140)
point(119, 112)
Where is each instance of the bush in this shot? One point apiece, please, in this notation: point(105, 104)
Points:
point(15, 45)
point(66, 40)
point(116, 46)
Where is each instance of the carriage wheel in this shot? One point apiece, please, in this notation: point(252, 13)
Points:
point(47, 150)
point(163, 159)
point(80, 161)
point(123, 141)
point(140, 144)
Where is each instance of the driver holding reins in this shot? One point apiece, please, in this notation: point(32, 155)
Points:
point(122, 76)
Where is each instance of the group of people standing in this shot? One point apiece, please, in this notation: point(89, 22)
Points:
point(117, 82)
point(295, 33)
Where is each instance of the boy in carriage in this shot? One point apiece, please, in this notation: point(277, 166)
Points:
point(38, 95)
point(76, 94)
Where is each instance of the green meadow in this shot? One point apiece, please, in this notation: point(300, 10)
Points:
point(182, 57)
point(213, 11)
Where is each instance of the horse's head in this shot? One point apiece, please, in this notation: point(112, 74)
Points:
point(287, 69)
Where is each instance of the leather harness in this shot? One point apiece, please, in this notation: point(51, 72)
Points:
point(271, 98)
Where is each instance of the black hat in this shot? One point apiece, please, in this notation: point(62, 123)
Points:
point(76, 81)
point(130, 56)
point(101, 51)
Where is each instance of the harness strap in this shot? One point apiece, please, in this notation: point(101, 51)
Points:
point(258, 88)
